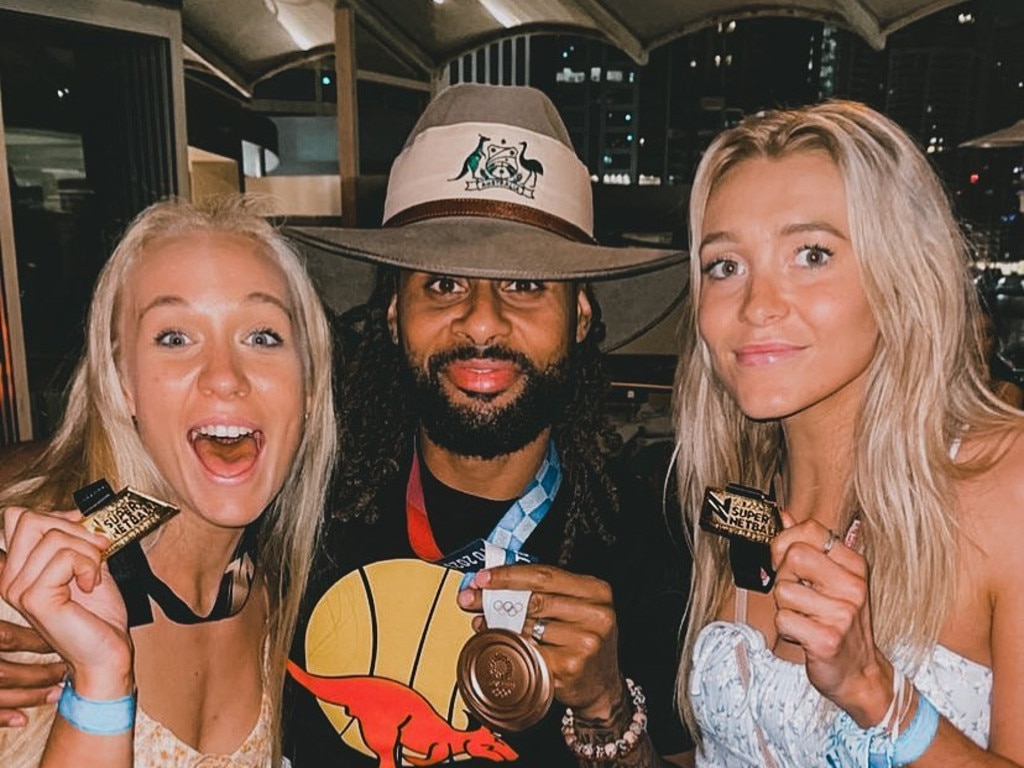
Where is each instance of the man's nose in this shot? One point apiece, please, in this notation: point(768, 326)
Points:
point(484, 319)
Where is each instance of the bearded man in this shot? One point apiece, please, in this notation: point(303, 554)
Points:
point(481, 560)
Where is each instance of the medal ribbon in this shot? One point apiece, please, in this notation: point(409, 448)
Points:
point(511, 531)
point(503, 608)
point(138, 584)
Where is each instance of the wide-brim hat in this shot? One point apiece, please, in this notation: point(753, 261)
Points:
point(488, 186)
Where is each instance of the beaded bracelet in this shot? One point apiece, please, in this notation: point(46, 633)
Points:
point(611, 750)
point(104, 718)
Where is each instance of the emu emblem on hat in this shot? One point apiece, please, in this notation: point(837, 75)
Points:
point(501, 165)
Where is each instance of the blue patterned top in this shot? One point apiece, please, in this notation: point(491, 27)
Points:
point(759, 711)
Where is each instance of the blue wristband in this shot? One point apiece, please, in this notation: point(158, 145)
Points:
point(105, 718)
point(919, 735)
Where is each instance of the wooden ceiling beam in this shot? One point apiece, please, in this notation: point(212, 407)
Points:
point(400, 44)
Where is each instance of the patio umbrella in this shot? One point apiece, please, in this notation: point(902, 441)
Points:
point(1004, 138)
point(1011, 136)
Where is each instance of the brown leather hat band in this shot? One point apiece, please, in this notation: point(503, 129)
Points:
point(491, 209)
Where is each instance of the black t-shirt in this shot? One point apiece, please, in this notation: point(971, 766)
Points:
point(384, 628)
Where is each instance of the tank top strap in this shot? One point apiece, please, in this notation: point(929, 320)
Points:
point(741, 606)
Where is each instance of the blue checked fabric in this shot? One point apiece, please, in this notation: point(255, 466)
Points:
point(526, 513)
point(518, 522)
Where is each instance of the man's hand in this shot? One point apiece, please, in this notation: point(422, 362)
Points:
point(580, 645)
point(580, 638)
point(25, 685)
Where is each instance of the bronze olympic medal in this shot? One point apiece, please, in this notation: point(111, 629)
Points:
point(504, 679)
point(128, 516)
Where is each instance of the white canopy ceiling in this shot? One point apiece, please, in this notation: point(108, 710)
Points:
point(246, 41)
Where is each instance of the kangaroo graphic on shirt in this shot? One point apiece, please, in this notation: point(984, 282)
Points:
point(397, 723)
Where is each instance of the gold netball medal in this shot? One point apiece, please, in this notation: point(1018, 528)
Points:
point(750, 519)
point(502, 675)
point(738, 511)
point(126, 516)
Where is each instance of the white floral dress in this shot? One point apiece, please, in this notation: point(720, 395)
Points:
point(759, 711)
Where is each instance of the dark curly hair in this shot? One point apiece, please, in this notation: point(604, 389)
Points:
point(377, 422)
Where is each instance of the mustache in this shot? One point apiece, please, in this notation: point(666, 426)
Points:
point(441, 360)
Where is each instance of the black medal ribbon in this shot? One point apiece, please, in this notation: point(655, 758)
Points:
point(138, 584)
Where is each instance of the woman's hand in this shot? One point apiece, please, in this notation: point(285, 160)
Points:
point(56, 578)
point(823, 605)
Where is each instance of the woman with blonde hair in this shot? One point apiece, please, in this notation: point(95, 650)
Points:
point(832, 363)
point(206, 382)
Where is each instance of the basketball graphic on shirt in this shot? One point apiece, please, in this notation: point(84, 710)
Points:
point(397, 620)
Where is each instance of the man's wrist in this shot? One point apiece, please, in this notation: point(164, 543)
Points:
point(607, 711)
point(621, 740)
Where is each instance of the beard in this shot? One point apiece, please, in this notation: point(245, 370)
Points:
point(482, 429)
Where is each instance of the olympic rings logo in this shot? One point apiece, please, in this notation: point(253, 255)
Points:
point(508, 607)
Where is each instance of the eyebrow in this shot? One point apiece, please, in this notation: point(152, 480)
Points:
point(790, 229)
point(714, 237)
point(256, 297)
point(813, 226)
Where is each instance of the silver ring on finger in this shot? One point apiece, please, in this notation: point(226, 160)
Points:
point(833, 537)
point(538, 629)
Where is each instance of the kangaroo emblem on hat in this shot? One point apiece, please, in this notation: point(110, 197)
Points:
point(501, 165)
point(472, 161)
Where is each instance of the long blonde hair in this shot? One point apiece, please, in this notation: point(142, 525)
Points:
point(97, 438)
point(926, 381)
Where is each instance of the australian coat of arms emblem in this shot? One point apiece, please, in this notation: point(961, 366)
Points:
point(499, 164)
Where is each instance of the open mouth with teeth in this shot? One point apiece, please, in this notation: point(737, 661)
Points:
point(226, 450)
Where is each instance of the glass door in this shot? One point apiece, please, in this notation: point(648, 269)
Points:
point(88, 133)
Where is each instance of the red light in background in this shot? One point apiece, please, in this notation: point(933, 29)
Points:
point(974, 178)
